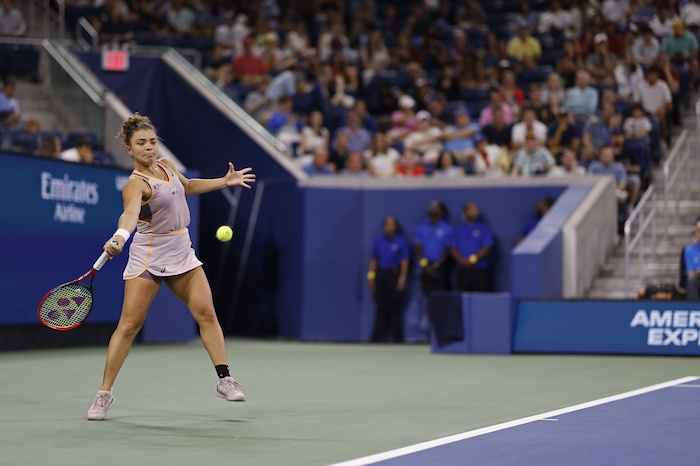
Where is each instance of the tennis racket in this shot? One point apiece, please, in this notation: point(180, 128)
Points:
point(68, 305)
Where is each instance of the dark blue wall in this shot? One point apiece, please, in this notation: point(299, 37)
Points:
point(340, 226)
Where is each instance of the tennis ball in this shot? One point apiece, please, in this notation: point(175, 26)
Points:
point(224, 233)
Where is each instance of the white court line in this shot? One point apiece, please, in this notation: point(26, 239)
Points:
point(548, 419)
point(507, 425)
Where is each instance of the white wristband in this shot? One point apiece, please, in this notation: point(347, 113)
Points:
point(123, 233)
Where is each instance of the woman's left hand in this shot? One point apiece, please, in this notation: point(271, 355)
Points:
point(240, 177)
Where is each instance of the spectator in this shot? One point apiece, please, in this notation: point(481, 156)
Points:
point(628, 76)
point(570, 63)
point(226, 37)
point(525, 48)
point(367, 121)
point(403, 120)
point(114, 29)
point(49, 147)
point(512, 94)
point(314, 135)
point(12, 22)
point(495, 101)
point(249, 68)
point(563, 134)
point(690, 13)
point(359, 139)
point(459, 138)
point(388, 269)
point(529, 126)
point(284, 124)
point(646, 48)
point(606, 165)
point(432, 240)
point(426, 140)
point(383, 159)
point(319, 166)
point(258, 104)
point(596, 132)
point(409, 167)
point(498, 132)
point(10, 112)
point(682, 47)
point(340, 151)
point(569, 166)
point(470, 14)
point(616, 11)
point(283, 84)
point(181, 19)
point(447, 166)
point(662, 21)
point(582, 99)
point(656, 99)
point(354, 166)
point(532, 159)
point(81, 153)
point(691, 254)
point(601, 63)
point(632, 159)
point(526, 17)
point(541, 208)
point(553, 86)
point(671, 76)
point(441, 117)
point(555, 20)
point(375, 56)
point(218, 60)
point(448, 84)
point(470, 248)
point(489, 159)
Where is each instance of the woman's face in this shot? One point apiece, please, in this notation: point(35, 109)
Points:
point(143, 146)
point(316, 118)
point(445, 161)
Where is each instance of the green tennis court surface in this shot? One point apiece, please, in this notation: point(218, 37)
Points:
point(308, 404)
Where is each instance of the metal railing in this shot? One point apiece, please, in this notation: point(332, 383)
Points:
point(644, 220)
point(673, 168)
point(52, 17)
point(84, 29)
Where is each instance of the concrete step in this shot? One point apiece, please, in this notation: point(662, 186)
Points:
point(651, 271)
point(612, 294)
point(618, 283)
point(660, 259)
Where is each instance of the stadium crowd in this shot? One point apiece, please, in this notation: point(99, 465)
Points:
point(443, 88)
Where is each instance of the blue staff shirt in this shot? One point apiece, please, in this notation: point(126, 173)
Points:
point(470, 239)
point(433, 238)
point(389, 252)
point(692, 257)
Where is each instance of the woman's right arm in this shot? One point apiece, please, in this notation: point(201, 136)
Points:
point(132, 194)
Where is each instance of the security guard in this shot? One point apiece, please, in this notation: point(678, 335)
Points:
point(388, 268)
point(432, 239)
point(471, 246)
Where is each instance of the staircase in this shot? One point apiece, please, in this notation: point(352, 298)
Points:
point(670, 240)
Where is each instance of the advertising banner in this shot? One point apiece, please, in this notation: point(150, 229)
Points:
point(609, 327)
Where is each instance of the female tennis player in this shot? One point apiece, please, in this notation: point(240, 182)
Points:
point(161, 251)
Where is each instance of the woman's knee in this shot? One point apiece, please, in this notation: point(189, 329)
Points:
point(129, 328)
point(205, 316)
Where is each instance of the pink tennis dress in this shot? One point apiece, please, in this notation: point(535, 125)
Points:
point(161, 244)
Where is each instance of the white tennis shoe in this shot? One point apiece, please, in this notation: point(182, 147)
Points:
point(98, 410)
point(229, 389)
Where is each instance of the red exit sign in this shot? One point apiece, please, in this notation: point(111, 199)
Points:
point(115, 60)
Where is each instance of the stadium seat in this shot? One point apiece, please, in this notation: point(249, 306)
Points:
point(474, 94)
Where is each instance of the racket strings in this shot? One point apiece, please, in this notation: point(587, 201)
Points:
point(67, 305)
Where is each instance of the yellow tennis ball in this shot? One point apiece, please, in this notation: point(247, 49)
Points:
point(224, 233)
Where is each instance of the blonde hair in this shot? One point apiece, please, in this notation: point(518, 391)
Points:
point(132, 124)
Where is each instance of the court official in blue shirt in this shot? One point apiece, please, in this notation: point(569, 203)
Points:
point(471, 245)
point(388, 268)
point(691, 253)
point(432, 239)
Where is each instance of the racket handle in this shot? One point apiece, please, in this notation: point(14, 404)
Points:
point(102, 260)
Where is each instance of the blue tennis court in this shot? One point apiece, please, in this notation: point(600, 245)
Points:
point(654, 425)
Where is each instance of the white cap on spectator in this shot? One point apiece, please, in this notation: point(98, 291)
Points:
point(423, 115)
point(406, 101)
point(600, 38)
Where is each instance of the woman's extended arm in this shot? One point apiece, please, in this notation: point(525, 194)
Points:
point(201, 186)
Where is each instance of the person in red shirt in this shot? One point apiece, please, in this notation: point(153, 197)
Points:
point(248, 67)
point(409, 167)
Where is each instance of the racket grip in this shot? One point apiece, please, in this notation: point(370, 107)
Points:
point(102, 260)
